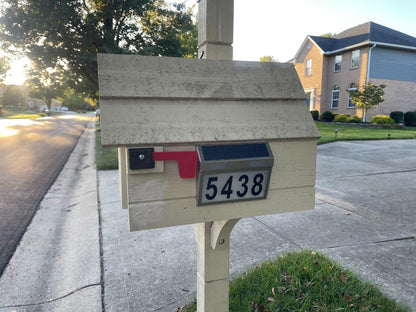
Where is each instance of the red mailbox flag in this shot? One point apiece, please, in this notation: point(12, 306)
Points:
point(187, 161)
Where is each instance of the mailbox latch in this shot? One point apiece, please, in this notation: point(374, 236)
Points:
point(141, 158)
point(144, 158)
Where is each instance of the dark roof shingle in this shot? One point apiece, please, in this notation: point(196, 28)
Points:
point(364, 33)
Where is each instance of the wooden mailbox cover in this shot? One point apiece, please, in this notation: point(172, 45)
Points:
point(175, 104)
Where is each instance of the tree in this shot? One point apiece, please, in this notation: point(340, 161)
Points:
point(70, 33)
point(4, 68)
point(268, 58)
point(328, 35)
point(46, 84)
point(367, 96)
point(14, 97)
point(76, 102)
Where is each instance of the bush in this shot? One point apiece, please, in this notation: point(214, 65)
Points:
point(397, 116)
point(410, 119)
point(354, 119)
point(327, 116)
point(315, 114)
point(382, 120)
point(341, 118)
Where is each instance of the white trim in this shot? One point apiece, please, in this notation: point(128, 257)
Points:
point(312, 98)
point(308, 38)
point(322, 51)
point(367, 77)
point(350, 89)
point(335, 63)
point(332, 97)
point(308, 70)
point(359, 59)
point(365, 43)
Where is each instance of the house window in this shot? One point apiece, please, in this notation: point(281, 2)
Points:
point(335, 97)
point(352, 87)
point(355, 59)
point(337, 63)
point(308, 67)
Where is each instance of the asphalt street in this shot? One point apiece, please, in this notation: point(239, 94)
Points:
point(32, 153)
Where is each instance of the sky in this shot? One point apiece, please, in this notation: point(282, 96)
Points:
point(278, 28)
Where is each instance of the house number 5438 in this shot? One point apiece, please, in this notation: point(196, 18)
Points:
point(234, 186)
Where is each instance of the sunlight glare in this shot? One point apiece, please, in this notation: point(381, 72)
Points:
point(16, 74)
point(7, 125)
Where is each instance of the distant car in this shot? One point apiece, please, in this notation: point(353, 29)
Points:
point(47, 112)
point(64, 108)
point(98, 114)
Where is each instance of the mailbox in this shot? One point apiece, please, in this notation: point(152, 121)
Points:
point(230, 173)
point(207, 140)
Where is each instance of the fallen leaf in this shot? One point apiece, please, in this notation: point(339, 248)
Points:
point(288, 279)
point(343, 277)
point(273, 292)
point(348, 298)
point(270, 299)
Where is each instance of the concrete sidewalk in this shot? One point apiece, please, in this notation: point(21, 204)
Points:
point(364, 217)
point(56, 266)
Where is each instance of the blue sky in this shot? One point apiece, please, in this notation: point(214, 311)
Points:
point(278, 28)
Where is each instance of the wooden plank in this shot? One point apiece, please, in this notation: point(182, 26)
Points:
point(133, 122)
point(135, 76)
point(158, 214)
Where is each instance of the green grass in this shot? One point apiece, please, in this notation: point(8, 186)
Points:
point(21, 115)
point(18, 114)
point(105, 158)
point(304, 281)
point(346, 133)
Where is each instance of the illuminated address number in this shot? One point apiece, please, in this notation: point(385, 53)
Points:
point(234, 186)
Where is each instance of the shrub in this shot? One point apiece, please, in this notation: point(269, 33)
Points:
point(354, 119)
point(410, 119)
point(315, 114)
point(327, 116)
point(382, 120)
point(397, 116)
point(341, 118)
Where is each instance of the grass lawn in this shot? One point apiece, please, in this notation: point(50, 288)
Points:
point(18, 114)
point(303, 281)
point(345, 133)
point(21, 115)
point(105, 158)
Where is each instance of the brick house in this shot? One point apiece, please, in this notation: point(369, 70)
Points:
point(329, 67)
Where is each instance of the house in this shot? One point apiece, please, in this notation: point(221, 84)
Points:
point(329, 67)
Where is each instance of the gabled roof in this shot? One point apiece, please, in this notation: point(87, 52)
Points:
point(368, 33)
point(361, 35)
